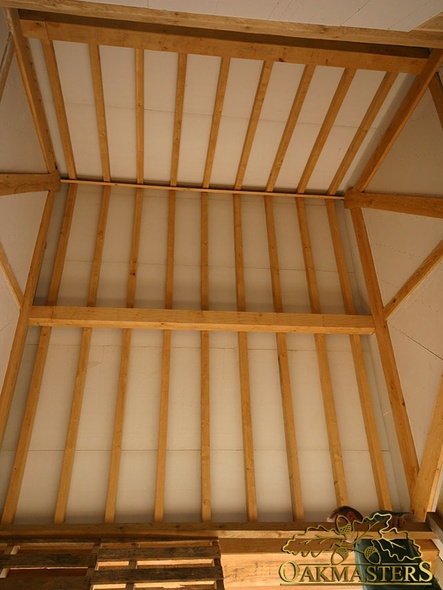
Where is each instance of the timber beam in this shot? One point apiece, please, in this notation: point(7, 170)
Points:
point(11, 184)
point(412, 205)
point(218, 321)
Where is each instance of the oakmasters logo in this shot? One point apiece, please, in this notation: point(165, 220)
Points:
point(376, 554)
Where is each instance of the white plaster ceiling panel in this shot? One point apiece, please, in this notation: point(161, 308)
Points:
point(231, 137)
point(201, 84)
point(160, 80)
point(415, 163)
point(421, 378)
point(267, 415)
point(89, 483)
point(112, 289)
point(258, 290)
point(136, 486)
point(184, 399)
point(55, 409)
point(273, 495)
point(82, 120)
point(290, 253)
point(195, 136)
point(244, 75)
point(379, 14)
point(183, 490)
point(75, 72)
point(222, 289)
point(317, 484)
point(159, 127)
point(294, 291)
point(361, 490)
point(309, 415)
point(118, 72)
point(228, 498)
point(38, 494)
point(396, 255)
point(282, 87)
point(319, 96)
point(358, 98)
point(221, 231)
point(122, 143)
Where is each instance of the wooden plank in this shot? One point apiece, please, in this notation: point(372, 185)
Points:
point(159, 505)
point(283, 362)
point(415, 279)
point(204, 368)
point(297, 105)
point(13, 493)
point(22, 324)
point(59, 104)
point(401, 118)
point(178, 116)
point(177, 319)
point(426, 206)
point(10, 277)
point(140, 111)
point(414, 38)
point(216, 118)
point(80, 378)
point(362, 131)
point(111, 499)
point(11, 184)
point(159, 552)
point(393, 384)
point(425, 489)
point(157, 574)
point(39, 583)
point(378, 469)
point(41, 534)
point(5, 63)
point(436, 88)
point(245, 386)
point(253, 121)
point(30, 83)
point(198, 189)
point(289, 49)
point(97, 81)
point(331, 115)
point(335, 450)
point(51, 559)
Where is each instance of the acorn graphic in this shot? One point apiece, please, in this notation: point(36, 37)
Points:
point(371, 554)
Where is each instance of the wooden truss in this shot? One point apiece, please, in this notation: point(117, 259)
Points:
point(416, 53)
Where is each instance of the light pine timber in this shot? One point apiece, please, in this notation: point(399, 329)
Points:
point(253, 121)
point(414, 38)
point(400, 119)
point(32, 89)
point(331, 115)
point(97, 81)
point(175, 319)
point(283, 362)
point(18, 469)
point(204, 369)
point(415, 279)
point(426, 206)
point(428, 476)
point(111, 499)
point(436, 88)
point(10, 277)
point(59, 103)
point(22, 324)
point(5, 63)
point(335, 450)
point(393, 384)
point(159, 504)
point(82, 364)
point(289, 50)
point(11, 184)
point(216, 118)
point(245, 387)
point(362, 131)
point(178, 116)
point(297, 104)
point(378, 469)
point(198, 189)
point(140, 111)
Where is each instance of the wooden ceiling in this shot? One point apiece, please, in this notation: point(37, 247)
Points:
point(333, 67)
